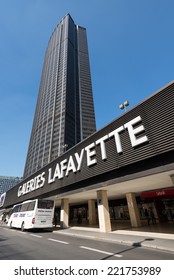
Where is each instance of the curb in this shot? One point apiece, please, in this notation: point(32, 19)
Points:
point(121, 241)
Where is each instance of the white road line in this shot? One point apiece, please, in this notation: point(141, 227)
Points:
point(118, 256)
point(59, 241)
point(14, 230)
point(102, 252)
point(39, 236)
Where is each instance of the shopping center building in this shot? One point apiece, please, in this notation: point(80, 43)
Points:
point(114, 174)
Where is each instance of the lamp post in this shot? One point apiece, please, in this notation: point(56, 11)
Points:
point(65, 146)
point(124, 105)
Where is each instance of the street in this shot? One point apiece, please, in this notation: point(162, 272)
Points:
point(43, 245)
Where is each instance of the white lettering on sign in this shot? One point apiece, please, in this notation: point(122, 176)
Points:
point(32, 185)
point(134, 131)
point(65, 167)
point(101, 141)
point(70, 166)
point(90, 153)
point(87, 155)
point(116, 135)
point(79, 159)
point(160, 193)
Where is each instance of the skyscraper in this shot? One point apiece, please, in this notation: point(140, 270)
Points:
point(65, 110)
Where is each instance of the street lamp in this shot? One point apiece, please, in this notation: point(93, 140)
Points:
point(65, 146)
point(124, 105)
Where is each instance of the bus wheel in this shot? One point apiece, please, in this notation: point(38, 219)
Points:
point(22, 227)
point(11, 225)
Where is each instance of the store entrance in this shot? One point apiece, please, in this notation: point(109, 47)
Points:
point(78, 215)
point(165, 210)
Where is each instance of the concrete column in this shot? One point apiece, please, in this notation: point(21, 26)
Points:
point(64, 213)
point(133, 210)
point(103, 211)
point(92, 212)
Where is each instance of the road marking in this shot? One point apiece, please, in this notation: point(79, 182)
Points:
point(59, 241)
point(118, 256)
point(14, 230)
point(102, 252)
point(39, 236)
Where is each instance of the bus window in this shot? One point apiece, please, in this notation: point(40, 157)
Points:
point(31, 205)
point(45, 204)
point(24, 207)
point(17, 208)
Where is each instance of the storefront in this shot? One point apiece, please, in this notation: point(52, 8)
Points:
point(110, 174)
point(163, 202)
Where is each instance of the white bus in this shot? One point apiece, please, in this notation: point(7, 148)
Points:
point(31, 214)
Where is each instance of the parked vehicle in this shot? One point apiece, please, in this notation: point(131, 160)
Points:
point(31, 214)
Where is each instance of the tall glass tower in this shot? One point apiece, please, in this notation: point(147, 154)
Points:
point(65, 110)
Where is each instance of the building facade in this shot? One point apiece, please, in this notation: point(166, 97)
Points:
point(8, 182)
point(64, 113)
point(115, 174)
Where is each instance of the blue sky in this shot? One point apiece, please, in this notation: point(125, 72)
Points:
point(131, 48)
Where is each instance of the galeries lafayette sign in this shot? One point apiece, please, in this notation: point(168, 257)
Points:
point(73, 163)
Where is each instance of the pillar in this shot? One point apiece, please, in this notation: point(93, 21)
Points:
point(133, 210)
point(103, 211)
point(92, 212)
point(64, 213)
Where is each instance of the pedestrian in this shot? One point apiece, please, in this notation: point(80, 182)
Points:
point(152, 216)
point(79, 218)
point(55, 219)
point(146, 213)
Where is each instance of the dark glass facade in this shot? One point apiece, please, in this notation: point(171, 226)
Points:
point(64, 112)
point(8, 182)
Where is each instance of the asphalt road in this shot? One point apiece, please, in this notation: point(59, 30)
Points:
point(42, 245)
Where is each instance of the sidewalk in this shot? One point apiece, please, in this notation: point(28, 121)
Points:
point(135, 238)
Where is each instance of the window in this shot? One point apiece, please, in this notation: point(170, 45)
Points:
point(31, 205)
point(24, 207)
point(17, 208)
point(45, 204)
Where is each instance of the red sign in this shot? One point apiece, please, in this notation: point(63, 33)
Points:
point(158, 193)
